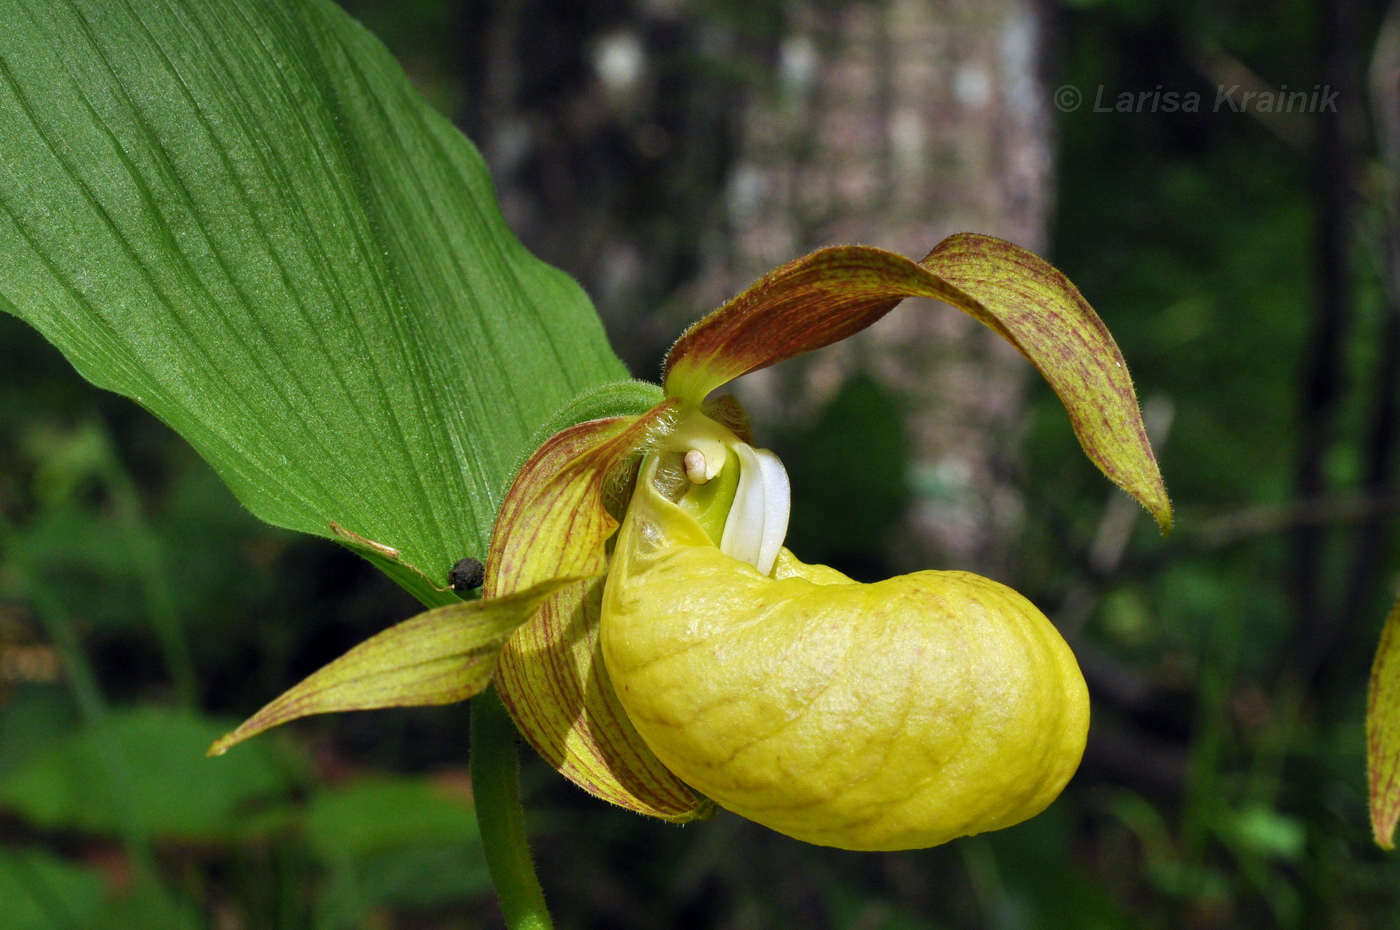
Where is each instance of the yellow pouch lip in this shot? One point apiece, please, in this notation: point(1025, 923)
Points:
point(715, 678)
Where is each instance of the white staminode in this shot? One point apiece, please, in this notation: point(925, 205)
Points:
point(758, 520)
point(695, 467)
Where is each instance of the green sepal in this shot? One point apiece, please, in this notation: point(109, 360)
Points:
point(444, 655)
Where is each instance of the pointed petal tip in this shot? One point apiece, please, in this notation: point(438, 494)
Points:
point(1161, 511)
point(1150, 494)
point(247, 730)
point(273, 715)
point(1384, 813)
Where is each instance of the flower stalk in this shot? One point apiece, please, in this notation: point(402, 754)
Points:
point(495, 771)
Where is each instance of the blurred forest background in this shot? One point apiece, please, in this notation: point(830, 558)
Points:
point(666, 152)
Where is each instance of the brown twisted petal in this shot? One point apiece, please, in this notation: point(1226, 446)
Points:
point(554, 522)
point(834, 293)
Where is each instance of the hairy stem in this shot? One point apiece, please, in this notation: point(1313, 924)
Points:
point(495, 770)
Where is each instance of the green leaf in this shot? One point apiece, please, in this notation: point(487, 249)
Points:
point(370, 817)
point(399, 841)
point(241, 215)
point(31, 719)
point(148, 906)
point(42, 892)
point(176, 792)
point(1262, 831)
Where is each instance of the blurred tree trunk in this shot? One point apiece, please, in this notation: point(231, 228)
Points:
point(606, 124)
point(895, 124)
point(668, 154)
point(1367, 593)
point(1324, 376)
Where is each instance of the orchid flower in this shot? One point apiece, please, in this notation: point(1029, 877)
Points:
point(657, 645)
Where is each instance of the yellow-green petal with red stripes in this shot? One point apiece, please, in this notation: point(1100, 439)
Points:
point(438, 657)
point(552, 679)
point(555, 520)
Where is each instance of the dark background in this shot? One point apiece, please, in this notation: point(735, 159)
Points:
point(666, 152)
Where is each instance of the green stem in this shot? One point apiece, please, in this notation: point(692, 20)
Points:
point(495, 770)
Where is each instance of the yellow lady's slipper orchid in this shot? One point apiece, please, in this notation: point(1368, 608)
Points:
point(894, 715)
point(689, 659)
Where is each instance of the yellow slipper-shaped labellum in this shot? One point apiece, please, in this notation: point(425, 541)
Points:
point(894, 715)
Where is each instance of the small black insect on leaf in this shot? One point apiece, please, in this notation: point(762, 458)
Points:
point(466, 574)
